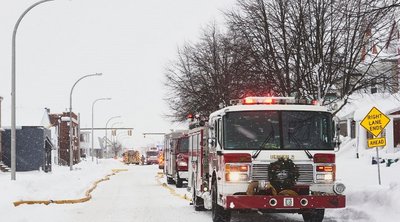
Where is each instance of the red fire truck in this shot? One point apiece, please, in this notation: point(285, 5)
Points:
point(176, 147)
point(270, 154)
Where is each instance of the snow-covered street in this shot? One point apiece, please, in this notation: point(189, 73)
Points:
point(133, 195)
point(138, 195)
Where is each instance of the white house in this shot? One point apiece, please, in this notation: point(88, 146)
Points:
point(356, 110)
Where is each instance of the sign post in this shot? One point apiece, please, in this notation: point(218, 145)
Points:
point(374, 122)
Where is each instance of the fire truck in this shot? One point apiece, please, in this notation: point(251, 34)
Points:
point(152, 156)
point(131, 157)
point(176, 145)
point(268, 154)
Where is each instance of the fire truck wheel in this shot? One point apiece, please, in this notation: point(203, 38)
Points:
point(316, 215)
point(179, 181)
point(170, 180)
point(219, 214)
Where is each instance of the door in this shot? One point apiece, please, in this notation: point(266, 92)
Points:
point(396, 132)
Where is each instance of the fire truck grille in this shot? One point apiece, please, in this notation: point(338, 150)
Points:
point(260, 172)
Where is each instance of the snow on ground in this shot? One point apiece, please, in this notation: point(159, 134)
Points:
point(59, 184)
point(366, 199)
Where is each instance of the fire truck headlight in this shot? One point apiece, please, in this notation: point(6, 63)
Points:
point(236, 177)
point(237, 172)
point(339, 188)
point(325, 177)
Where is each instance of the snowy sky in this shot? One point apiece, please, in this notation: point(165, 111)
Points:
point(129, 41)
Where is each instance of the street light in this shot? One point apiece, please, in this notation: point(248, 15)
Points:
point(70, 117)
point(112, 126)
point(94, 102)
point(113, 137)
point(105, 140)
point(13, 95)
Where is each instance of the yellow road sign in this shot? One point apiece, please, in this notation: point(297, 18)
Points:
point(375, 121)
point(376, 142)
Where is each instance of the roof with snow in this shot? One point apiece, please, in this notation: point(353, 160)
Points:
point(359, 105)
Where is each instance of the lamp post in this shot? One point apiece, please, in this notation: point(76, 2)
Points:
point(112, 126)
point(113, 137)
point(105, 140)
point(70, 118)
point(94, 102)
point(13, 95)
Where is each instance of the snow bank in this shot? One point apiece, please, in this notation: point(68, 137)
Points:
point(59, 184)
point(366, 199)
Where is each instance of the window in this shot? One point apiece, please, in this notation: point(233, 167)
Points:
point(220, 132)
point(252, 130)
point(278, 130)
point(184, 145)
point(306, 130)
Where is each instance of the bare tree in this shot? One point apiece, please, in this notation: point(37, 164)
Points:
point(316, 49)
point(313, 48)
point(209, 73)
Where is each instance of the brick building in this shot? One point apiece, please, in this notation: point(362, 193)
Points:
point(61, 123)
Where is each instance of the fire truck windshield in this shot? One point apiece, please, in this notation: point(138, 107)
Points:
point(274, 130)
point(184, 145)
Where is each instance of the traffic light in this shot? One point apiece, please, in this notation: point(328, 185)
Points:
point(114, 132)
point(130, 132)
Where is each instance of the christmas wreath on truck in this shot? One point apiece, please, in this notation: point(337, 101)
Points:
point(283, 174)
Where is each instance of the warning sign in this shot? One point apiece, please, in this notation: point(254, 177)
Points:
point(375, 121)
point(376, 142)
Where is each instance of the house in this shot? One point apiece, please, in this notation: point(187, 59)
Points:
point(61, 124)
point(380, 58)
point(358, 107)
point(1, 129)
point(33, 148)
point(85, 144)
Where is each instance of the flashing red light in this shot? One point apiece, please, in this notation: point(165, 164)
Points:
point(314, 102)
point(324, 158)
point(249, 101)
point(268, 100)
point(190, 116)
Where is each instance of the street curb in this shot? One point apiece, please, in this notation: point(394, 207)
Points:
point(87, 197)
point(171, 190)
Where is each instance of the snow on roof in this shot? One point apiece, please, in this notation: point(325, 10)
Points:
point(359, 105)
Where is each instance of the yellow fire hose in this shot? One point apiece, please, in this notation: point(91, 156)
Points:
point(87, 197)
point(171, 190)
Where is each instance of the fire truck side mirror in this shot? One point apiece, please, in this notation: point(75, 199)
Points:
point(336, 142)
point(336, 145)
point(211, 141)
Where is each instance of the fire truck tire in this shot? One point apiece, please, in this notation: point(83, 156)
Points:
point(219, 214)
point(170, 180)
point(179, 181)
point(316, 215)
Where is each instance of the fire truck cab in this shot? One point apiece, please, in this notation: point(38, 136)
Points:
point(270, 154)
point(176, 157)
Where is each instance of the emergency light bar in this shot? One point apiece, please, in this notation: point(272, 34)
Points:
point(272, 100)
